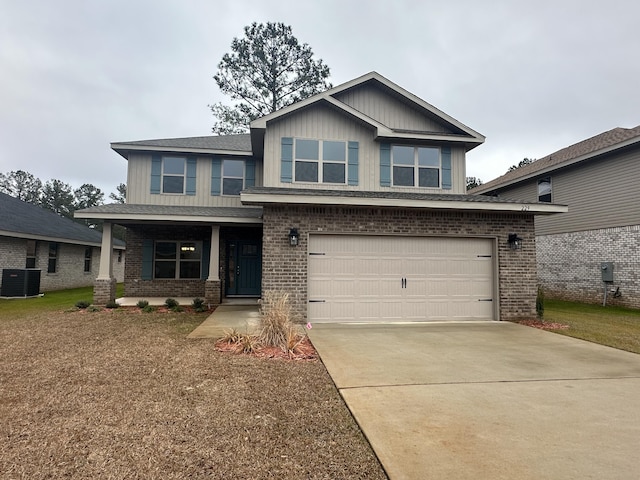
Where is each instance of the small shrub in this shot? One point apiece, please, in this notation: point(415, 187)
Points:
point(198, 305)
point(82, 304)
point(111, 304)
point(177, 309)
point(142, 304)
point(247, 343)
point(540, 303)
point(231, 336)
point(93, 308)
point(148, 309)
point(171, 303)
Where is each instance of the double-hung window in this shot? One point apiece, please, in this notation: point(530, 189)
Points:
point(232, 176)
point(88, 253)
point(175, 260)
point(319, 161)
point(544, 189)
point(173, 174)
point(52, 265)
point(31, 254)
point(416, 166)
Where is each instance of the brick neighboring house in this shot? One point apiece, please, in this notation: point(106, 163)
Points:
point(353, 201)
point(598, 179)
point(67, 253)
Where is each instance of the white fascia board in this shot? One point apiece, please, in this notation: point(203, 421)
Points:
point(43, 238)
point(558, 166)
point(207, 151)
point(530, 208)
point(138, 217)
point(432, 136)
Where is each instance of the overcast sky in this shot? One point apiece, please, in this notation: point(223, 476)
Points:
point(532, 76)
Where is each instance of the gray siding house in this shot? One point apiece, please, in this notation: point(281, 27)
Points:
point(598, 179)
point(66, 253)
point(352, 201)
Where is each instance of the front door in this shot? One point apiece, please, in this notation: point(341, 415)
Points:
point(244, 268)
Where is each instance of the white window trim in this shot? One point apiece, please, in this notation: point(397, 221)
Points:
point(184, 175)
point(550, 190)
point(417, 166)
point(223, 176)
point(321, 162)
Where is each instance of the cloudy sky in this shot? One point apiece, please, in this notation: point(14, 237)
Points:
point(532, 76)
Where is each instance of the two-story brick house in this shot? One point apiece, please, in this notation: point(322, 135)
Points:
point(353, 201)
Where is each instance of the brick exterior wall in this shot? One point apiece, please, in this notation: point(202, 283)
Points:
point(285, 267)
point(70, 265)
point(135, 287)
point(569, 265)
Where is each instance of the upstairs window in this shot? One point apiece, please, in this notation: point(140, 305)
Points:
point(319, 161)
point(31, 254)
point(544, 189)
point(415, 166)
point(232, 176)
point(173, 174)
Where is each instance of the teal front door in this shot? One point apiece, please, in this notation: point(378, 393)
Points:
point(244, 268)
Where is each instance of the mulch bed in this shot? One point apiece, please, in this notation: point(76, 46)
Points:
point(543, 325)
point(304, 351)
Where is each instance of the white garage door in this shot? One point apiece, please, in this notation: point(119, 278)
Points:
point(386, 278)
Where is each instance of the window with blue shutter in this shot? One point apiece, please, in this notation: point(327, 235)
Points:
point(446, 168)
point(191, 175)
point(385, 165)
point(250, 173)
point(156, 173)
point(286, 160)
point(216, 176)
point(353, 163)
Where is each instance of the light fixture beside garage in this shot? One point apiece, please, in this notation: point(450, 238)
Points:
point(293, 237)
point(515, 242)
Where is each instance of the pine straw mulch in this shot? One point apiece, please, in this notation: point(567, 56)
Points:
point(304, 351)
point(115, 395)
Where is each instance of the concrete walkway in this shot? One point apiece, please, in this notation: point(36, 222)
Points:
point(243, 318)
point(487, 400)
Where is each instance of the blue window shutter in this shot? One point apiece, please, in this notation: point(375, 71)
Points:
point(446, 168)
point(156, 173)
point(353, 163)
point(147, 259)
point(249, 173)
point(385, 165)
point(286, 164)
point(191, 175)
point(216, 176)
point(206, 259)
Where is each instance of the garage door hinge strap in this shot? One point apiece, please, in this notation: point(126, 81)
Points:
point(314, 253)
point(316, 301)
point(485, 299)
point(484, 256)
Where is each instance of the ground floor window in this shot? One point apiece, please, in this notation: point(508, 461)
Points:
point(177, 259)
point(88, 252)
point(31, 254)
point(52, 267)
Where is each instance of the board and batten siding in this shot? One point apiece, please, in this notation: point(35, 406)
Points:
point(383, 107)
point(323, 123)
point(139, 185)
point(600, 194)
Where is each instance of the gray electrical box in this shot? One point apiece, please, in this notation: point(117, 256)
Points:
point(606, 269)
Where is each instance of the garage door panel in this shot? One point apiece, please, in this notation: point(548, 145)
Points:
point(386, 278)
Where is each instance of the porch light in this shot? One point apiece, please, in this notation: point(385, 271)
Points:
point(293, 237)
point(188, 248)
point(515, 242)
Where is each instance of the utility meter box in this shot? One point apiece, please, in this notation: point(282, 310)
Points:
point(606, 269)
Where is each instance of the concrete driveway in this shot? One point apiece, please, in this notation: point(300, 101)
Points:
point(490, 400)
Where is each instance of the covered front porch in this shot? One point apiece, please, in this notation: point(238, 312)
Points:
point(174, 255)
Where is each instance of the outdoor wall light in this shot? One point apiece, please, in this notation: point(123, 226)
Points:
point(293, 237)
point(515, 242)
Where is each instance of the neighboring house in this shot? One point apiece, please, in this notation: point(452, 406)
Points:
point(352, 201)
point(599, 179)
point(66, 253)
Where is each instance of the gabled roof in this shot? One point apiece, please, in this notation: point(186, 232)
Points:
point(585, 150)
point(463, 134)
point(24, 220)
point(240, 144)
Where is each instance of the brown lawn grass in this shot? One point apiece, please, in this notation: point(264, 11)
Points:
point(121, 394)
